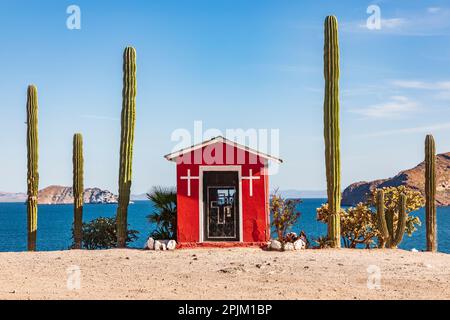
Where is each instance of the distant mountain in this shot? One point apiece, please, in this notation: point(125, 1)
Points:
point(12, 197)
point(303, 194)
point(62, 195)
point(412, 178)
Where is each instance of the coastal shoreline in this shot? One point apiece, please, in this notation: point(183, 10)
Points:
point(235, 273)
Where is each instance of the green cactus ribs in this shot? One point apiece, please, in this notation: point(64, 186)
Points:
point(78, 189)
point(126, 142)
point(32, 166)
point(430, 193)
point(382, 225)
point(331, 128)
point(391, 229)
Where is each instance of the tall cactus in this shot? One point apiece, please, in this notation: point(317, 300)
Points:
point(331, 129)
point(78, 189)
point(32, 165)
point(401, 223)
point(430, 192)
point(391, 236)
point(382, 225)
point(126, 142)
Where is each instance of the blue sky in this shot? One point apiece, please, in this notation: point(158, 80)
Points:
point(231, 64)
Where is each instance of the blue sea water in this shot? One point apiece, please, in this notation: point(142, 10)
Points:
point(55, 222)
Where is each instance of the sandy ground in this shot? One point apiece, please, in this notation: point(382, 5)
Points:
point(238, 273)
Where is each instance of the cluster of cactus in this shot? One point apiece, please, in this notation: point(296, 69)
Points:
point(331, 129)
point(430, 192)
point(78, 189)
point(126, 142)
point(32, 165)
point(390, 236)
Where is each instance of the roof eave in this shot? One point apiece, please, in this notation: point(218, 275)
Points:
point(174, 155)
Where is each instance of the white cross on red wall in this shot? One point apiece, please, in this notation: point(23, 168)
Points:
point(251, 177)
point(189, 178)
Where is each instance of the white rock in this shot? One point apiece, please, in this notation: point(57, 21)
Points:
point(157, 245)
point(150, 244)
point(291, 234)
point(275, 245)
point(171, 245)
point(162, 245)
point(299, 244)
point(414, 250)
point(289, 246)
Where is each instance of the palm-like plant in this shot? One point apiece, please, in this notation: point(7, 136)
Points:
point(164, 214)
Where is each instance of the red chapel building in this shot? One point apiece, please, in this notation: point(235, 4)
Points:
point(222, 194)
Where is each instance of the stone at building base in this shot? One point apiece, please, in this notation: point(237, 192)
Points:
point(276, 245)
point(160, 245)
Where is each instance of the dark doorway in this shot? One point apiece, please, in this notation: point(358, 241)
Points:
point(221, 206)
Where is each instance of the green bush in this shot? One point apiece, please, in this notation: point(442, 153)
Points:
point(284, 214)
point(359, 224)
point(164, 213)
point(101, 233)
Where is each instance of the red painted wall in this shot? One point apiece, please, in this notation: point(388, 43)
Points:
point(255, 214)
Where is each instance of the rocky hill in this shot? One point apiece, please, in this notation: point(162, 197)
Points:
point(412, 178)
point(62, 195)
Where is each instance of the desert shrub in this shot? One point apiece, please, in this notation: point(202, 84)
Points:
point(164, 213)
point(284, 214)
point(100, 233)
point(322, 243)
point(414, 201)
point(359, 224)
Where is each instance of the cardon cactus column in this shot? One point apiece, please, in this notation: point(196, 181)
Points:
point(391, 236)
point(78, 189)
point(430, 192)
point(401, 224)
point(382, 225)
point(32, 165)
point(331, 129)
point(126, 142)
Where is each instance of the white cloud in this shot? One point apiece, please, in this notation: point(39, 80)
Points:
point(424, 85)
point(393, 23)
point(432, 21)
point(396, 107)
point(434, 9)
point(390, 23)
point(408, 84)
point(423, 129)
point(441, 88)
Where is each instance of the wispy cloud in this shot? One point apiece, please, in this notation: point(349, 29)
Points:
point(424, 85)
point(432, 21)
point(434, 9)
point(386, 24)
point(441, 88)
point(393, 23)
point(396, 107)
point(423, 129)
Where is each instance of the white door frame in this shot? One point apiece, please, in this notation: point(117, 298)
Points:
point(200, 192)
